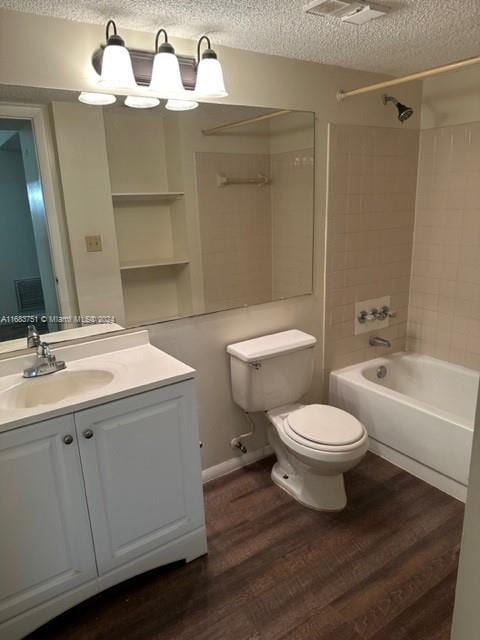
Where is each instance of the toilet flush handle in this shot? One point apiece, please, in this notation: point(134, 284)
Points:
point(255, 365)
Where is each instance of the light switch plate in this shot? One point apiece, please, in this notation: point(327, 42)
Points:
point(368, 305)
point(93, 243)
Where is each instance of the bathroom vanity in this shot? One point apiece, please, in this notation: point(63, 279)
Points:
point(99, 474)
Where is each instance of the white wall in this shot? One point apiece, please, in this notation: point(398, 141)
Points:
point(450, 100)
point(87, 194)
point(58, 55)
point(466, 615)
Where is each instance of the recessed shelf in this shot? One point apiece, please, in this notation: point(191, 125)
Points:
point(145, 196)
point(155, 262)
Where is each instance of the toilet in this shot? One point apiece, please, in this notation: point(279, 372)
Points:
point(315, 444)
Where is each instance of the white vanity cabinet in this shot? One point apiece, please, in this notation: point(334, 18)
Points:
point(45, 541)
point(141, 463)
point(92, 498)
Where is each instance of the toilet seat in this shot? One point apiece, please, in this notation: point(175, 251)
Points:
point(324, 427)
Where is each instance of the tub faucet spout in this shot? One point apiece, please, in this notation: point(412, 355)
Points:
point(379, 342)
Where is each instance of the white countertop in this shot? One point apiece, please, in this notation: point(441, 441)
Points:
point(136, 365)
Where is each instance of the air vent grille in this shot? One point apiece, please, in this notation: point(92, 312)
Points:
point(354, 11)
point(29, 295)
point(331, 8)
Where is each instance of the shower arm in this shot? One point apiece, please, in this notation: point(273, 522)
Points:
point(341, 95)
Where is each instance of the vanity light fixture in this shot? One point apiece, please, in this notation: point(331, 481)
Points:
point(181, 105)
point(166, 76)
point(162, 73)
point(117, 70)
point(141, 102)
point(210, 81)
point(97, 99)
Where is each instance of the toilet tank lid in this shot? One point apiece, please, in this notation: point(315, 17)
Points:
point(271, 345)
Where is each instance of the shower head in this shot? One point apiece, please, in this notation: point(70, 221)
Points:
point(404, 112)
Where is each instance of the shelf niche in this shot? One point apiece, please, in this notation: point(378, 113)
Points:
point(149, 218)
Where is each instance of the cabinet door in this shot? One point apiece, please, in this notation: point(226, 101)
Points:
point(45, 540)
point(141, 462)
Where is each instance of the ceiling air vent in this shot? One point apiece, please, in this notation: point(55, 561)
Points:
point(353, 11)
point(332, 8)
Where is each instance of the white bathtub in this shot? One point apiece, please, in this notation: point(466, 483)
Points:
point(420, 416)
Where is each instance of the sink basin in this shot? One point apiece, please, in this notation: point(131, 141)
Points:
point(53, 388)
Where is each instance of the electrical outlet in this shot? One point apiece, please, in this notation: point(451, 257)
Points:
point(94, 243)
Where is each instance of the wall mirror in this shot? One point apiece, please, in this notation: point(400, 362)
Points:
point(118, 217)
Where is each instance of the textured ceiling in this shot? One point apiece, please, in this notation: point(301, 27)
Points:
point(417, 35)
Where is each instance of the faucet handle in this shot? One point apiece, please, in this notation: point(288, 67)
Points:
point(387, 313)
point(376, 314)
point(364, 317)
point(43, 351)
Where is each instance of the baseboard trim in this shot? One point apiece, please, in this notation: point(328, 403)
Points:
point(242, 460)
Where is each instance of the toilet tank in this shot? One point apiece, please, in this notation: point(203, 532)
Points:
point(272, 370)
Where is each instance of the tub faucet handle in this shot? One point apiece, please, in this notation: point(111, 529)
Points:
point(365, 316)
point(386, 312)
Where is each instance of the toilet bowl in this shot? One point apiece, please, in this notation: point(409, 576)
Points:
point(314, 444)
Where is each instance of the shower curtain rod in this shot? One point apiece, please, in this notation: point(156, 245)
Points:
point(240, 123)
point(341, 95)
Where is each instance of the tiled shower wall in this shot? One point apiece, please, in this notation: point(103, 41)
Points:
point(371, 208)
point(256, 241)
point(235, 230)
point(444, 312)
point(292, 222)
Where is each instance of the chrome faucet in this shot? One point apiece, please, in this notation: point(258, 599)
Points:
point(379, 342)
point(33, 337)
point(47, 364)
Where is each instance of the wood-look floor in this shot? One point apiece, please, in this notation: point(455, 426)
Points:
point(383, 569)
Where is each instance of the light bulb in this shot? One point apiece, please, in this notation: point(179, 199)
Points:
point(141, 102)
point(181, 105)
point(98, 99)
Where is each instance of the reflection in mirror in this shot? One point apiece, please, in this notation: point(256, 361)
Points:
point(165, 214)
point(27, 285)
point(209, 217)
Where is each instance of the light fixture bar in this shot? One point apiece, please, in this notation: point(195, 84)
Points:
point(428, 73)
point(241, 123)
point(162, 71)
point(142, 62)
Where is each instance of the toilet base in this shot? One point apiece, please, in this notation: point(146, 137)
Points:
point(322, 493)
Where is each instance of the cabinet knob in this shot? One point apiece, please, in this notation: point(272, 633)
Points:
point(68, 439)
point(88, 433)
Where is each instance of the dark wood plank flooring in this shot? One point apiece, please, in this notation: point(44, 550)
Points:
point(382, 569)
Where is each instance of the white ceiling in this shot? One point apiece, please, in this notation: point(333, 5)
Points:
point(417, 35)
